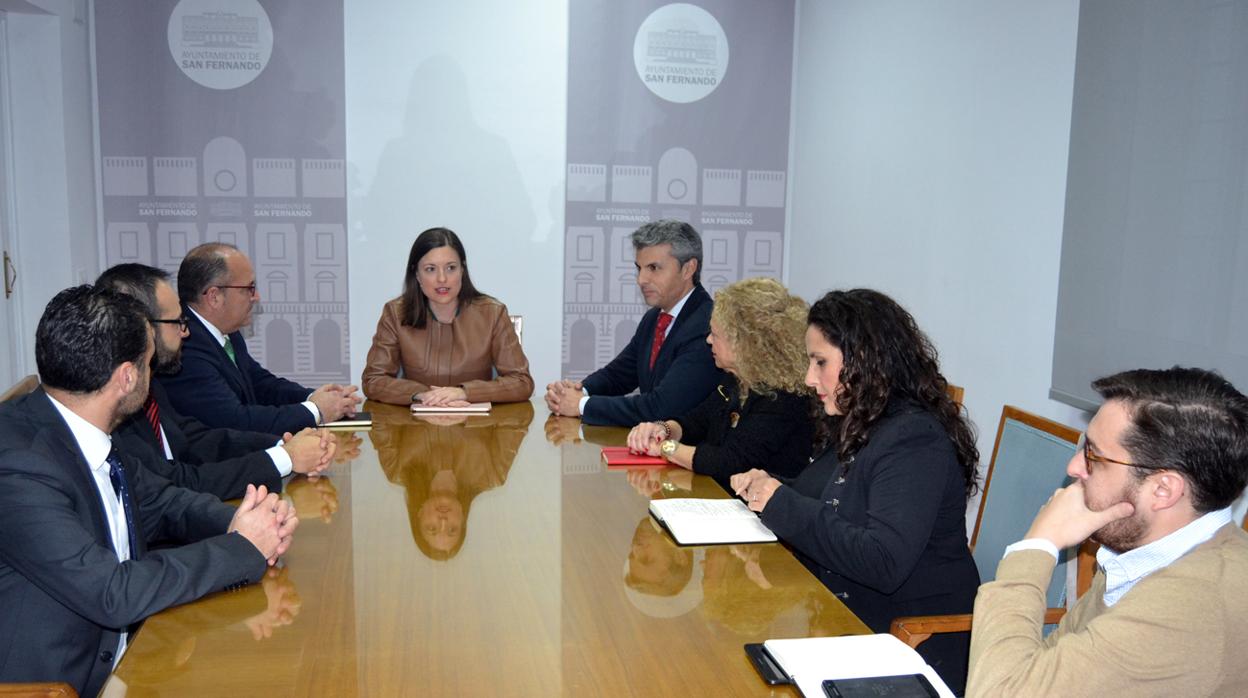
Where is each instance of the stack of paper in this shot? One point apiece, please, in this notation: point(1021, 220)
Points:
point(470, 408)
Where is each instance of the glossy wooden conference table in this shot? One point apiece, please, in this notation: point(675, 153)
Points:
point(473, 556)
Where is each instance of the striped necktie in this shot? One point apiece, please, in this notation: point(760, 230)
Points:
point(660, 334)
point(152, 410)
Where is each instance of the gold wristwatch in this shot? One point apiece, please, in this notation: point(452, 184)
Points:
point(668, 448)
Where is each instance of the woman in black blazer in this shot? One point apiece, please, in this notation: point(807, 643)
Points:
point(760, 416)
point(880, 514)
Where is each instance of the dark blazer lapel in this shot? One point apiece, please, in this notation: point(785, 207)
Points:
point(55, 438)
point(203, 336)
point(244, 357)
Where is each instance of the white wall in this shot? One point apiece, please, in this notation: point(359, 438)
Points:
point(455, 117)
point(930, 152)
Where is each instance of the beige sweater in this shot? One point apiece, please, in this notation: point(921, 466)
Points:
point(1181, 631)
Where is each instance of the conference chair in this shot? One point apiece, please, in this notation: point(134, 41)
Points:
point(955, 393)
point(37, 690)
point(1028, 462)
point(25, 386)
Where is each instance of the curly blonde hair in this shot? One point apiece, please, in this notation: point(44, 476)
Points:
point(766, 326)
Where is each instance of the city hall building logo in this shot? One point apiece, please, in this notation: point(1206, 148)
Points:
point(220, 44)
point(681, 53)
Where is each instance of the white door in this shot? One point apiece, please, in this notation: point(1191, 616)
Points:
point(13, 348)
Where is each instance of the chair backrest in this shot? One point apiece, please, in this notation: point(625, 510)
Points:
point(517, 321)
point(25, 386)
point(1028, 462)
point(955, 392)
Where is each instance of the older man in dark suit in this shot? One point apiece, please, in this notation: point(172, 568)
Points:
point(76, 513)
point(220, 383)
point(667, 361)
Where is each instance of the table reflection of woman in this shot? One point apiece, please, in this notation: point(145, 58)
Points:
point(443, 463)
point(760, 416)
point(443, 342)
point(727, 583)
point(661, 579)
point(880, 515)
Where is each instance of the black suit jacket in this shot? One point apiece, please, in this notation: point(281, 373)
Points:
point(219, 393)
point(770, 432)
point(888, 534)
point(64, 594)
point(684, 372)
point(217, 461)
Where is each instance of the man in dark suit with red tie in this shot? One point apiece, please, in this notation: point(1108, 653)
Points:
point(191, 454)
point(668, 360)
point(76, 575)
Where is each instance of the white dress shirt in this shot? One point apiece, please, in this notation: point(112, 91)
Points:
point(95, 446)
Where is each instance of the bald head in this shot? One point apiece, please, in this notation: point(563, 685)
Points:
point(218, 281)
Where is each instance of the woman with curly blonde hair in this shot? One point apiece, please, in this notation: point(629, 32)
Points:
point(759, 417)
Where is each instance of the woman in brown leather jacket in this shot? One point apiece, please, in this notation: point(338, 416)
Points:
point(443, 342)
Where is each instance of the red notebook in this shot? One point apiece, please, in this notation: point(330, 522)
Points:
point(618, 456)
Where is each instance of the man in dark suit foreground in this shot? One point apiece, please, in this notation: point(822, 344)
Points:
point(667, 361)
point(191, 454)
point(220, 384)
point(75, 572)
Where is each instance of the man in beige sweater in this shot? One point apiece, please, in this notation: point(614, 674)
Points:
point(1167, 613)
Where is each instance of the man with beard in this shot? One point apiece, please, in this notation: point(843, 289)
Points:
point(76, 575)
point(1155, 476)
point(191, 454)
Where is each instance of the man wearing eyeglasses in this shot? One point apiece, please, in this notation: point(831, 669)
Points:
point(213, 460)
point(1160, 465)
point(220, 383)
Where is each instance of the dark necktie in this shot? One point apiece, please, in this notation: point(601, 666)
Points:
point(121, 487)
point(660, 333)
point(152, 410)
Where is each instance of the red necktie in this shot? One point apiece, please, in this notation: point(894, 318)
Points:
point(660, 333)
point(153, 418)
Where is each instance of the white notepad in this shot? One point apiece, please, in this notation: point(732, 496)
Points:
point(710, 521)
point(471, 408)
point(809, 661)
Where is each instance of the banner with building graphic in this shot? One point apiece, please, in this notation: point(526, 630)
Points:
point(675, 110)
point(223, 120)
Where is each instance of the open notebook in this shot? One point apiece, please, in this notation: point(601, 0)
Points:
point(809, 661)
point(710, 521)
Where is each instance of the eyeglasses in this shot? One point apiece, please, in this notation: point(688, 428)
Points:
point(181, 322)
point(249, 288)
point(1091, 457)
